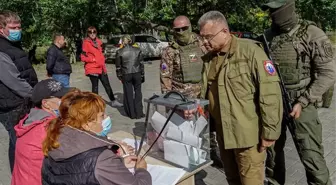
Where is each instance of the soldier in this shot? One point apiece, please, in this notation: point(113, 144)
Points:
point(181, 69)
point(242, 86)
point(305, 58)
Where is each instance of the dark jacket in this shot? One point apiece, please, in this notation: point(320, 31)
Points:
point(129, 60)
point(17, 76)
point(83, 158)
point(57, 62)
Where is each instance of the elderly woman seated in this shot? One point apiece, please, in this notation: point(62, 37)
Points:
point(76, 152)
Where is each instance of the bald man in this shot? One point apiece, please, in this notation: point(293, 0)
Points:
point(181, 69)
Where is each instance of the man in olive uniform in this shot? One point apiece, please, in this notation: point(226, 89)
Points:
point(181, 69)
point(305, 58)
point(242, 86)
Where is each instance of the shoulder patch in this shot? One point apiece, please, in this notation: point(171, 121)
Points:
point(269, 67)
point(328, 50)
point(164, 66)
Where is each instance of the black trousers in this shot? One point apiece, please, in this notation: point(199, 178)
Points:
point(106, 83)
point(132, 95)
point(9, 120)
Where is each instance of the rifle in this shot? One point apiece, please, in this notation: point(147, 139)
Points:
point(287, 106)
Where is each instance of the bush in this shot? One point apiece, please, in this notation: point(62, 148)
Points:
point(333, 38)
point(41, 54)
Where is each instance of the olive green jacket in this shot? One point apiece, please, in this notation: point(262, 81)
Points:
point(249, 95)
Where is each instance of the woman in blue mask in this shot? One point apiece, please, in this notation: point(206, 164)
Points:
point(31, 131)
point(77, 152)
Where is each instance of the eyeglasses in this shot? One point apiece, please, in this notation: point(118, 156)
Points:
point(210, 37)
point(92, 32)
point(181, 29)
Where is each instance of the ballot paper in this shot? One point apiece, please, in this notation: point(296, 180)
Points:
point(162, 175)
point(200, 124)
point(187, 126)
point(158, 121)
point(183, 137)
point(176, 152)
point(183, 154)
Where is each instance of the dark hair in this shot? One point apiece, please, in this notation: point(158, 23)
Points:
point(91, 28)
point(56, 36)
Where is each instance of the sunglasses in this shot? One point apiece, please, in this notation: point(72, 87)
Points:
point(92, 32)
point(181, 29)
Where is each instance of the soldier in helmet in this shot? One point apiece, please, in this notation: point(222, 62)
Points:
point(181, 68)
point(305, 58)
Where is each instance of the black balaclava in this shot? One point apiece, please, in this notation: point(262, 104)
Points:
point(284, 18)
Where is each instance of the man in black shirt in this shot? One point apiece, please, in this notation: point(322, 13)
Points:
point(58, 65)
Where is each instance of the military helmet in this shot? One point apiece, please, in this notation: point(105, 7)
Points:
point(274, 4)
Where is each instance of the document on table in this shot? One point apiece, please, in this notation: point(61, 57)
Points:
point(162, 175)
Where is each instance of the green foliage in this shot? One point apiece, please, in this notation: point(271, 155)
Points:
point(41, 54)
point(42, 18)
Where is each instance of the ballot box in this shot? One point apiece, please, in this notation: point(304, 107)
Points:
point(177, 130)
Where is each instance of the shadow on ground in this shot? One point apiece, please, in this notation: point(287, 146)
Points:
point(199, 177)
point(120, 98)
point(139, 128)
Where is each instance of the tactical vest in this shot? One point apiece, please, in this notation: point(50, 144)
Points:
point(191, 64)
point(287, 52)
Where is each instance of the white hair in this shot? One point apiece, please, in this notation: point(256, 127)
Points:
point(214, 16)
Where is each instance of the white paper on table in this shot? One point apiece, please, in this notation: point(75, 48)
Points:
point(134, 143)
point(183, 137)
point(200, 125)
point(176, 152)
point(158, 121)
point(162, 175)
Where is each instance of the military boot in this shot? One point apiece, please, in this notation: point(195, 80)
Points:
point(217, 162)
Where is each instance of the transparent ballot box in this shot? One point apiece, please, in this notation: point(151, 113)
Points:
point(177, 130)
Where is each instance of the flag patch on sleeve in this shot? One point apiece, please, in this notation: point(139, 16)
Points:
point(269, 67)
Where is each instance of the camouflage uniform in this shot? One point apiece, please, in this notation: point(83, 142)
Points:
point(171, 70)
point(306, 64)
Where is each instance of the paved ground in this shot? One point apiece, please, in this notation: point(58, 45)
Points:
point(211, 176)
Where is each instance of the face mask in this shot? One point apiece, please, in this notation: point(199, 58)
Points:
point(284, 18)
point(183, 37)
point(56, 112)
point(107, 126)
point(14, 35)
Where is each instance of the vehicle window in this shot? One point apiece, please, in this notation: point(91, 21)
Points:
point(151, 39)
point(247, 35)
point(140, 39)
point(236, 34)
point(114, 40)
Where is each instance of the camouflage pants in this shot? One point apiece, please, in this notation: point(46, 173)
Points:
point(308, 142)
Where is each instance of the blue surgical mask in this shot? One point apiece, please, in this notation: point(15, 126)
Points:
point(107, 126)
point(56, 112)
point(14, 35)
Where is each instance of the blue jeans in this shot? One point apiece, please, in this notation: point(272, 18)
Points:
point(63, 78)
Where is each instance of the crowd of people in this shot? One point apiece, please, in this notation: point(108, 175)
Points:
point(58, 134)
